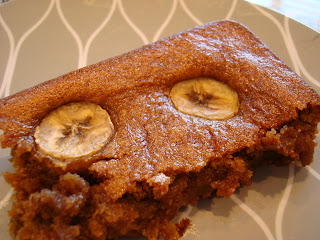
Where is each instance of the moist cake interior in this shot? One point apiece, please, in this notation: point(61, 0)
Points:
point(53, 205)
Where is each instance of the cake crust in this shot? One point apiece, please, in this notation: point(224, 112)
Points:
point(156, 150)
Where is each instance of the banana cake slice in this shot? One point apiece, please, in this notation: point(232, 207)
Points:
point(117, 148)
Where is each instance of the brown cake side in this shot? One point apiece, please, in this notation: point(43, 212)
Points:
point(159, 158)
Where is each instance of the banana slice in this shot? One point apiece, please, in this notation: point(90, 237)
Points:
point(206, 98)
point(74, 130)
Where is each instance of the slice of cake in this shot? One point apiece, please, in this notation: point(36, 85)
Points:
point(117, 148)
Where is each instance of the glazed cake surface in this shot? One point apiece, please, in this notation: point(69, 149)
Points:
point(158, 158)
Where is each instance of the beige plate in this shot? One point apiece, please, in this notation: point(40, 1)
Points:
point(42, 39)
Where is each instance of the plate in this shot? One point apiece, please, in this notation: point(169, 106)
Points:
point(53, 37)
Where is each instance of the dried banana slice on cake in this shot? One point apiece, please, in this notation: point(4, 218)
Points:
point(74, 130)
point(206, 98)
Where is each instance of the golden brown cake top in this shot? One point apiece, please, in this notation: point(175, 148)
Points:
point(150, 135)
